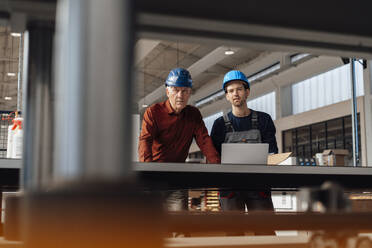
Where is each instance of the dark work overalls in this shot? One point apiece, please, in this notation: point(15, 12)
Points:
point(236, 200)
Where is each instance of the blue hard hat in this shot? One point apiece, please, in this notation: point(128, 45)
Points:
point(179, 77)
point(235, 75)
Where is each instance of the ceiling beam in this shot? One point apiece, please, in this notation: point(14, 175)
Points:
point(35, 10)
point(298, 73)
point(317, 15)
point(195, 70)
point(7, 59)
point(257, 36)
point(143, 48)
point(264, 60)
point(209, 60)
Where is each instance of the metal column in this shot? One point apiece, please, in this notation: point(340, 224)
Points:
point(354, 116)
point(38, 93)
point(96, 203)
point(367, 77)
point(20, 63)
point(94, 78)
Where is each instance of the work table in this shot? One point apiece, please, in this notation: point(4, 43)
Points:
point(190, 175)
point(195, 175)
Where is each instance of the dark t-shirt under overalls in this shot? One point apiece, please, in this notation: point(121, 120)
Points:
point(265, 125)
point(266, 129)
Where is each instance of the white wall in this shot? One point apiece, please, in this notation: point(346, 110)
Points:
point(327, 88)
point(323, 114)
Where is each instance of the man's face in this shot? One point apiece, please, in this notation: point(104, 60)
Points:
point(178, 97)
point(236, 93)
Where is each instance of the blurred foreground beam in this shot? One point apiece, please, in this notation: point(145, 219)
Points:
point(261, 221)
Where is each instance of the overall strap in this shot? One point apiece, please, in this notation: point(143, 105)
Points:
point(228, 124)
point(254, 120)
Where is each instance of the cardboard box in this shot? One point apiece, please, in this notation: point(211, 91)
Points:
point(275, 159)
point(319, 159)
point(332, 157)
point(289, 161)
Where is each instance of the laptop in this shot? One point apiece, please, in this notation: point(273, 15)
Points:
point(244, 153)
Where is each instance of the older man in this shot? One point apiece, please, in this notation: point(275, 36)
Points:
point(169, 127)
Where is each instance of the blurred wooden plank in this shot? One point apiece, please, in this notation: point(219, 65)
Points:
point(299, 241)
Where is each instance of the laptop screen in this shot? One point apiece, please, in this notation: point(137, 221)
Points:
point(243, 153)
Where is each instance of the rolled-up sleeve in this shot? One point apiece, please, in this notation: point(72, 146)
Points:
point(146, 137)
point(205, 143)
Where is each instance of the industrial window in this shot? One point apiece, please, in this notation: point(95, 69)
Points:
point(306, 141)
point(325, 89)
point(210, 120)
point(264, 103)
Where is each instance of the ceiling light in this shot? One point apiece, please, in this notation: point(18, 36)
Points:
point(15, 34)
point(298, 57)
point(213, 97)
point(11, 74)
point(229, 52)
point(8, 98)
point(265, 72)
point(145, 106)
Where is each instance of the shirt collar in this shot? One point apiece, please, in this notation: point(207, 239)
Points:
point(169, 107)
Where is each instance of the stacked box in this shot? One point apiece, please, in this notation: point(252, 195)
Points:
point(332, 157)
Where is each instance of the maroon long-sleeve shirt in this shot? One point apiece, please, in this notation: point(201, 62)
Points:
point(167, 136)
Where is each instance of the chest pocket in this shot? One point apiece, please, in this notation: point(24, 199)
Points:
point(250, 136)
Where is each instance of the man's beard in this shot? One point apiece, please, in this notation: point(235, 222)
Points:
point(239, 103)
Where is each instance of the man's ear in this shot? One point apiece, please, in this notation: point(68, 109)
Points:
point(248, 92)
point(166, 91)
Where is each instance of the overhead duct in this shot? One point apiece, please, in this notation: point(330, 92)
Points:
point(292, 75)
point(256, 77)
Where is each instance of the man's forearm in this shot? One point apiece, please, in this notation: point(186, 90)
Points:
point(145, 151)
point(209, 151)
